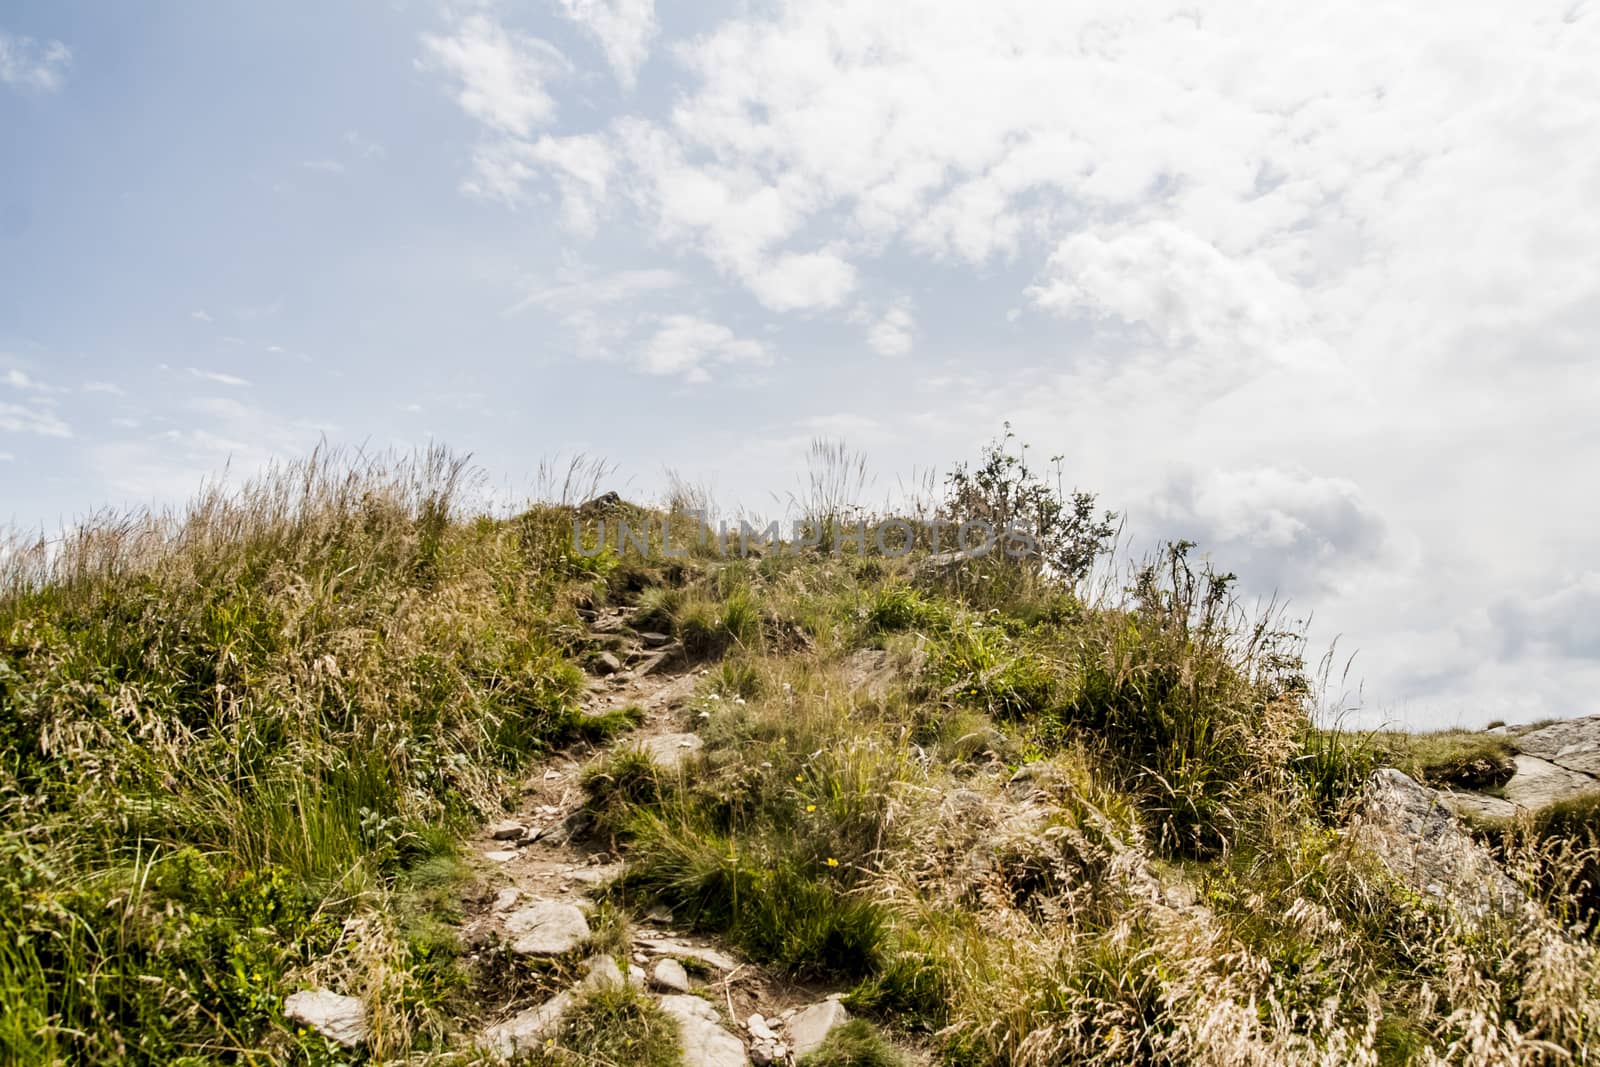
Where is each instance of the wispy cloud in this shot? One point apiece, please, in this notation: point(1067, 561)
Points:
point(501, 73)
point(624, 29)
point(326, 166)
point(38, 419)
point(199, 316)
point(230, 380)
point(29, 64)
point(109, 388)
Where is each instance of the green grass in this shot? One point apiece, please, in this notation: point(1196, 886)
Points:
point(239, 748)
point(1466, 759)
point(855, 1044)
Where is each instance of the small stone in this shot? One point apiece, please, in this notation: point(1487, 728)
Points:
point(662, 946)
point(759, 1029)
point(811, 1027)
point(546, 928)
point(501, 855)
point(607, 663)
point(551, 775)
point(603, 974)
point(662, 916)
point(640, 957)
point(668, 974)
point(509, 830)
point(506, 899)
point(636, 976)
point(653, 639)
point(340, 1019)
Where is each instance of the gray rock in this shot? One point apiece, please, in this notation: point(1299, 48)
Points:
point(811, 1026)
point(668, 974)
point(705, 1042)
point(759, 1029)
point(670, 750)
point(1539, 783)
point(502, 855)
point(526, 1031)
point(1412, 833)
point(636, 976)
point(603, 974)
point(1478, 806)
point(607, 663)
point(546, 928)
point(663, 946)
point(653, 639)
point(340, 1019)
point(1573, 744)
point(507, 898)
point(508, 830)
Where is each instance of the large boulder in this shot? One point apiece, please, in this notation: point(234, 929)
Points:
point(1411, 831)
point(811, 1026)
point(525, 1032)
point(1539, 783)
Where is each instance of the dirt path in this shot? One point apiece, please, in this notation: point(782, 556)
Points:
point(539, 861)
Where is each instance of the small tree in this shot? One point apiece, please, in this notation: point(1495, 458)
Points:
point(1003, 490)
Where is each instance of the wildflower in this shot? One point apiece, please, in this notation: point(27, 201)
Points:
point(811, 807)
point(832, 862)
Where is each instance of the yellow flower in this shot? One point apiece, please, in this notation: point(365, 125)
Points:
point(832, 862)
point(811, 807)
point(798, 778)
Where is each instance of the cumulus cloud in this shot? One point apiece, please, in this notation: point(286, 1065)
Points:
point(1280, 530)
point(29, 64)
point(687, 346)
point(624, 29)
point(1346, 258)
point(894, 333)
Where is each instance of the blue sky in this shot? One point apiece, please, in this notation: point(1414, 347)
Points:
point(1316, 286)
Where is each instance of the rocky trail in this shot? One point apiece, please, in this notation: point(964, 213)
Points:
point(537, 869)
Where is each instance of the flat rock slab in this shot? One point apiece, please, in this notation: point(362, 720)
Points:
point(1539, 783)
point(1478, 805)
point(662, 946)
point(810, 1027)
point(705, 1042)
point(340, 1019)
point(1573, 744)
point(670, 750)
point(525, 1032)
point(598, 874)
point(546, 928)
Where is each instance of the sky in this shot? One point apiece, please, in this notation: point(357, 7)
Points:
point(1316, 285)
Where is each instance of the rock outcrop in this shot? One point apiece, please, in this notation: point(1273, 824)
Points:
point(1411, 831)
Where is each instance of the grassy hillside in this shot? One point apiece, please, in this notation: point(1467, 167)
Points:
point(1023, 815)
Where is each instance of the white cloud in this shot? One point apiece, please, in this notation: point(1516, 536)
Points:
point(199, 316)
point(38, 419)
point(1564, 621)
point(28, 64)
point(583, 292)
point(7, 457)
point(230, 380)
point(624, 29)
point(361, 146)
point(810, 280)
point(687, 346)
point(326, 166)
point(894, 333)
point(108, 388)
point(502, 73)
